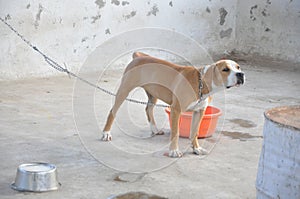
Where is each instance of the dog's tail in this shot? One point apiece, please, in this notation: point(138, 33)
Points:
point(139, 54)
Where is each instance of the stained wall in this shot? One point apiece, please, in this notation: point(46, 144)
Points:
point(69, 31)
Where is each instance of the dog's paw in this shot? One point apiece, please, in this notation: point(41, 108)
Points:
point(175, 153)
point(106, 136)
point(200, 151)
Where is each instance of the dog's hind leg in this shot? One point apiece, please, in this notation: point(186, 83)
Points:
point(149, 112)
point(121, 95)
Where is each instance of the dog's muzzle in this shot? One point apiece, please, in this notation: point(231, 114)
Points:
point(240, 78)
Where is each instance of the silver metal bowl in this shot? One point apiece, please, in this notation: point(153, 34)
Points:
point(36, 177)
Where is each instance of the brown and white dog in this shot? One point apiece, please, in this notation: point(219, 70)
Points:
point(184, 88)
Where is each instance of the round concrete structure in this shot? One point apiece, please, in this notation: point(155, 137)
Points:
point(279, 165)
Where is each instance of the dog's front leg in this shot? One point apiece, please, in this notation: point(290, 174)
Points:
point(174, 150)
point(196, 119)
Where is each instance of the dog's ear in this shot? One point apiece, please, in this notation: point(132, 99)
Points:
point(216, 75)
point(214, 69)
point(220, 63)
point(214, 65)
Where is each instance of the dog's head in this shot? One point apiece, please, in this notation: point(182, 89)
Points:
point(229, 73)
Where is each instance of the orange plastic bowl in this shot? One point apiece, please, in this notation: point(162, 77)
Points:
point(207, 126)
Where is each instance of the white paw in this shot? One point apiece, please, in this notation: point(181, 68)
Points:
point(106, 136)
point(200, 151)
point(175, 153)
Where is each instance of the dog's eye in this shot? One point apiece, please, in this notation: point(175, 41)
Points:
point(225, 70)
point(238, 67)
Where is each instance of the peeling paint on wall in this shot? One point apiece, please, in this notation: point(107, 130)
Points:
point(100, 3)
point(38, 16)
point(116, 2)
point(264, 12)
point(223, 14)
point(226, 33)
point(7, 17)
point(208, 10)
point(257, 12)
point(95, 18)
point(84, 39)
point(267, 29)
point(130, 15)
point(252, 17)
point(124, 3)
point(271, 28)
point(153, 10)
point(107, 31)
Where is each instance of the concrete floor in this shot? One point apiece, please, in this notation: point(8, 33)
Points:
point(41, 120)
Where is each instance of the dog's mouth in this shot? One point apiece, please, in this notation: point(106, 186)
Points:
point(238, 84)
point(240, 80)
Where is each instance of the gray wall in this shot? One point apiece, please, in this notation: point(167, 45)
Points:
point(269, 28)
point(70, 31)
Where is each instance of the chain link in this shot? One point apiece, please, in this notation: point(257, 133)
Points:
point(58, 67)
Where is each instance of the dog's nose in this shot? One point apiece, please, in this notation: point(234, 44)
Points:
point(240, 75)
point(240, 78)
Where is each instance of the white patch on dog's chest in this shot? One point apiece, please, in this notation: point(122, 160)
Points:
point(198, 105)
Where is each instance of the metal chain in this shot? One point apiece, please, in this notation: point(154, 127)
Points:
point(58, 67)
